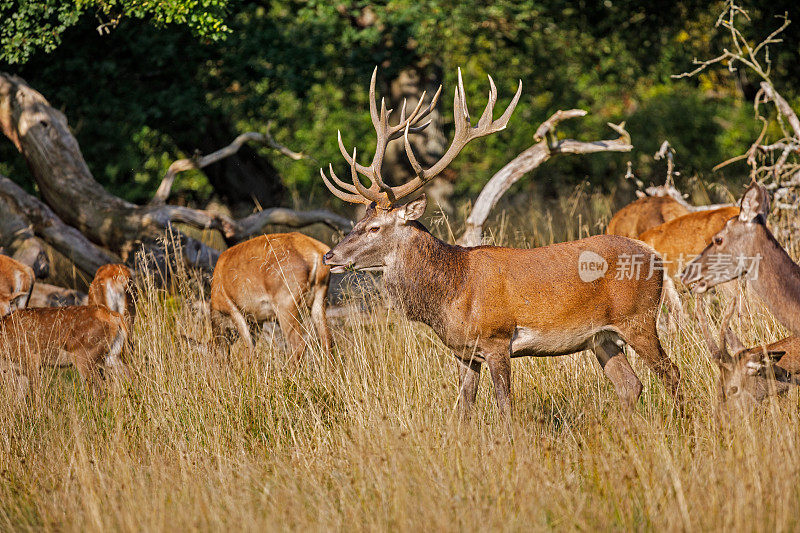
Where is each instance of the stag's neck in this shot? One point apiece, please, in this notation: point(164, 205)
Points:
point(424, 275)
point(778, 283)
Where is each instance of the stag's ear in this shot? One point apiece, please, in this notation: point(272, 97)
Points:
point(755, 201)
point(413, 210)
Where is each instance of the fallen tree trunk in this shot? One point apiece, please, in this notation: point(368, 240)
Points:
point(78, 213)
point(45, 224)
point(46, 295)
point(546, 147)
point(18, 240)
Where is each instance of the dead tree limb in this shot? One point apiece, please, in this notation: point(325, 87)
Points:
point(251, 225)
point(197, 161)
point(51, 229)
point(547, 146)
point(18, 240)
point(784, 109)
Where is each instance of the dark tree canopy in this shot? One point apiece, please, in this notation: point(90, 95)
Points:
point(151, 90)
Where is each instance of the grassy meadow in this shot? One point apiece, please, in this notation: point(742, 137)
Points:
point(372, 442)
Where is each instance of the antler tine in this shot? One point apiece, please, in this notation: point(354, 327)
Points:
point(360, 168)
point(463, 94)
point(487, 112)
point(464, 133)
point(414, 118)
point(343, 184)
point(403, 109)
point(418, 170)
point(506, 116)
point(373, 110)
point(369, 194)
point(347, 197)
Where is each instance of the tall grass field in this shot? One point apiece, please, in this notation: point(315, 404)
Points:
point(372, 442)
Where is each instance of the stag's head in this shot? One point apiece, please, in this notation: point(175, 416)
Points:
point(743, 372)
point(387, 223)
point(733, 252)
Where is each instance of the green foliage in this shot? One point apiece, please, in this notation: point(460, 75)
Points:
point(143, 95)
point(32, 25)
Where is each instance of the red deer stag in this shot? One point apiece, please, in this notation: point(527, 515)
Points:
point(489, 303)
point(272, 276)
point(89, 337)
point(16, 284)
point(746, 247)
point(645, 213)
point(111, 288)
point(750, 374)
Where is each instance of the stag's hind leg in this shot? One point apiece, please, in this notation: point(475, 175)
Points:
point(500, 369)
point(617, 368)
point(469, 376)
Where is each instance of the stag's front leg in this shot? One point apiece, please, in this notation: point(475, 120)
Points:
point(469, 376)
point(500, 369)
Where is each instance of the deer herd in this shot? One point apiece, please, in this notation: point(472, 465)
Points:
point(488, 304)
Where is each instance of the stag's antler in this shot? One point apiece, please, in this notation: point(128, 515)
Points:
point(384, 195)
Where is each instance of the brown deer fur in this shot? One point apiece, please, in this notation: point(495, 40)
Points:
point(272, 276)
point(16, 284)
point(643, 214)
point(88, 337)
point(681, 239)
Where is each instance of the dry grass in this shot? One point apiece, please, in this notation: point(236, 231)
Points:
point(372, 443)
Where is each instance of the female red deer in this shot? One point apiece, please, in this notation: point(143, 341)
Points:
point(16, 284)
point(489, 303)
point(748, 375)
point(746, 247)
point(645, 213)
point(272, 276)
point(89, 337)
point(111, 288)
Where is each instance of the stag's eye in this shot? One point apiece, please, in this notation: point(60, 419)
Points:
point(718, 240)
point(374, 229)
point(733, 390)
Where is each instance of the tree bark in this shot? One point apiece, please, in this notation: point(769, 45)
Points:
point(547, 146)
point(42, 222)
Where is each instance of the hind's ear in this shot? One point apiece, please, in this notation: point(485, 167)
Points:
point(755, 201)
point(760, 360)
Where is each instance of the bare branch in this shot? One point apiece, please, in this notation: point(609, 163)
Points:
point(533, 157)
point(255, 223)
point(667, 151)
point(197, 162)
point(783, 107)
